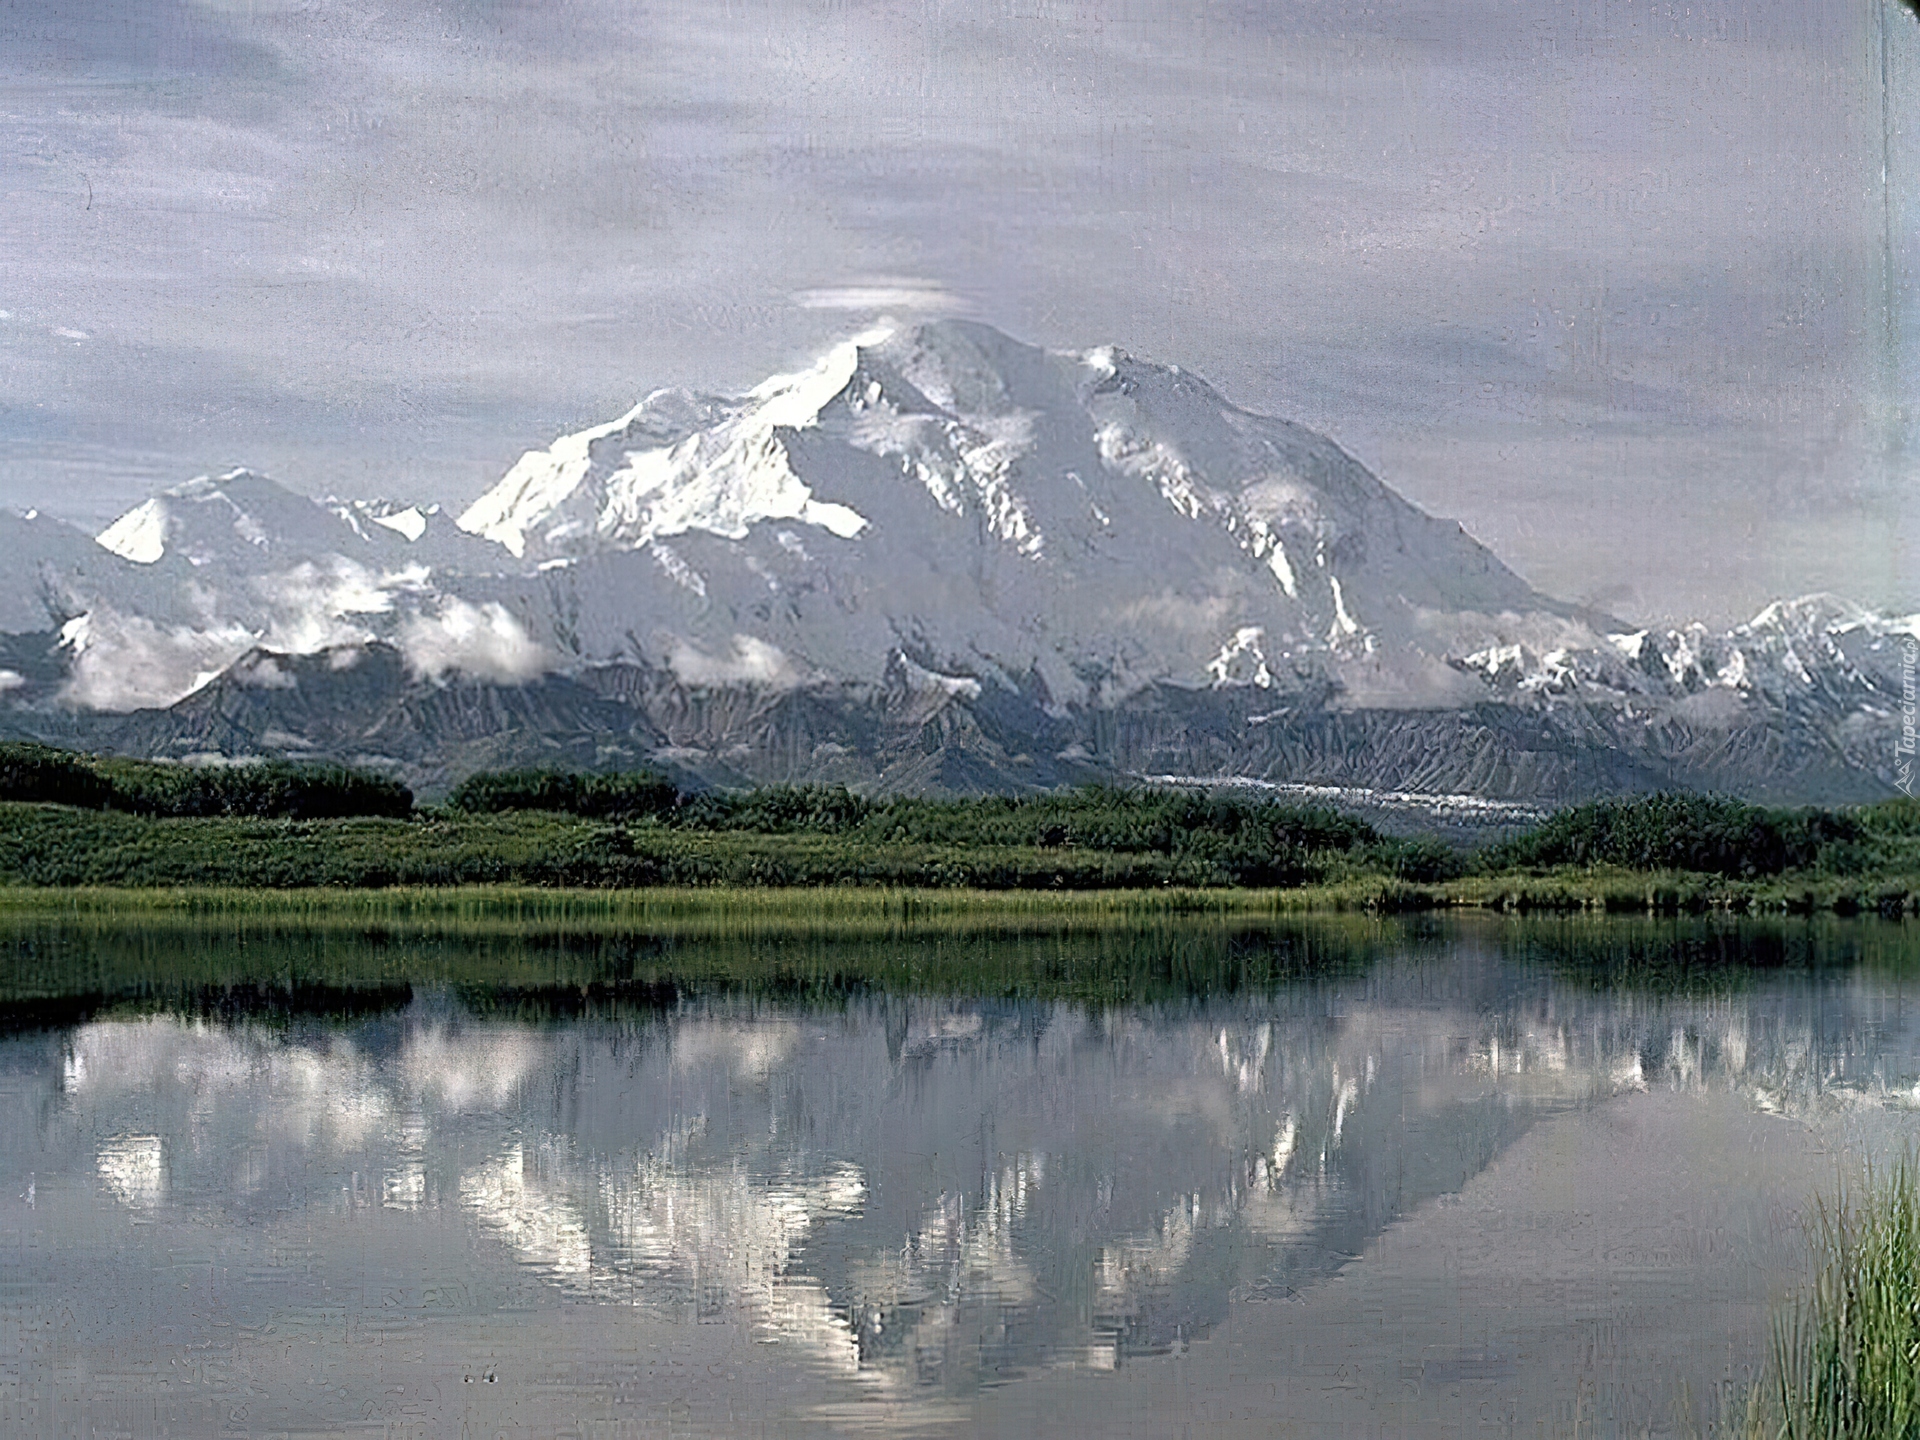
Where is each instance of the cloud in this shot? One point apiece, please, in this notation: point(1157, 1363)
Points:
point(484, 642)
point(468, 1070)
point(316, 605)
point(127, 662)
point(896, 295)
point(1455, 632)
point(261, 672)
point(1402, 681)
point(753, 662)
point(11, 680)
point(1179, 612)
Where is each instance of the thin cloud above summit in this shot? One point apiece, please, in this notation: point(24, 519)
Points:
point(881, 295)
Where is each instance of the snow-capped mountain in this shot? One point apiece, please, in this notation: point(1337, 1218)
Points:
point(185, 583)
point(997, 510)
point(1808, 686)
point(935, 559)
point(1819, 650)
point(241, 520)
point(245, 523)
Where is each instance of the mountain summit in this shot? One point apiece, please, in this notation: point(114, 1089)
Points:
point(995, 509)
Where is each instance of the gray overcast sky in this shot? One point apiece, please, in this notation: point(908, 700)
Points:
point(1602, 278)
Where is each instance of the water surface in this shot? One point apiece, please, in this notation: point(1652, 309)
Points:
point(609, 1191)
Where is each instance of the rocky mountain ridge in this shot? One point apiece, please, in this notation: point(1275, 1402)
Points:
point(935, 560)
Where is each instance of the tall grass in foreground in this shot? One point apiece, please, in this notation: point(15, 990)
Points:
point(837, 909)
point(1846, 1358)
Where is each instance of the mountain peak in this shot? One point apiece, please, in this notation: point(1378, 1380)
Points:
point(1808, 614)
point(241, 515)
point(1083, 511)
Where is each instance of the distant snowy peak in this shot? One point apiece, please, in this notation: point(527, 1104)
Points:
point(1824, 615)
point(240, 518)
point(140, 535)
point(242, 523)
point(1818, 646)
point(409, 522)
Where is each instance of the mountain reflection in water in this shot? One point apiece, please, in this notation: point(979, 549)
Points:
point(911, 1195)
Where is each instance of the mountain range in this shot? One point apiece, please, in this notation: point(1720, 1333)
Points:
point(937, 560)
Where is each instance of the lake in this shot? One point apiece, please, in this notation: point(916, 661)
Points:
point(1342, 1177)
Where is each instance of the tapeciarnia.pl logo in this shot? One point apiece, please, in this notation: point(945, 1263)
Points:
point(1903, 751)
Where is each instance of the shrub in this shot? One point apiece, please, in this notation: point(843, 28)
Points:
point(44, 775)
point(1107, 818)
point(1706, 833)
point(270, 790)
point(277, 791)
point(1423, 860)
point(628, 796)
point(779, 810)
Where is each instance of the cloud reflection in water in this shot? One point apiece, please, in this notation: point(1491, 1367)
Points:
point(922, 1196)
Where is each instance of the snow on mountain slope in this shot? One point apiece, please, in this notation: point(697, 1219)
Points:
point(240, 519)
point(1017, 566)
point(1808, 684)
point(994, 508)
point(41, 555)
point(190, 580)
point(1818, 650)
point(676, 462)
point(243, 522)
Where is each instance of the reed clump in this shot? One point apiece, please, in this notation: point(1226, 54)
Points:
point(1846, 1356)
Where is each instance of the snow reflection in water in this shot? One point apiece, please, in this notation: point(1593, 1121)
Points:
point(917, 1195)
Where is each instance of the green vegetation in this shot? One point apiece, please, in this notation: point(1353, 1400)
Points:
point(1846, 1357)
point(1168, 836)
point(594, 797)
point(703, 913)
point(56, 846)
point(1705, 833)
point(537, 828)
point(42, 774)
point(72, 820)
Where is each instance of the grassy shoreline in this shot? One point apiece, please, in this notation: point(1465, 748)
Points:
point(1598, 891)
point(834, 906)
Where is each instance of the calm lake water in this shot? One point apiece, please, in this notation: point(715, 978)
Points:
point(384, 1200)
